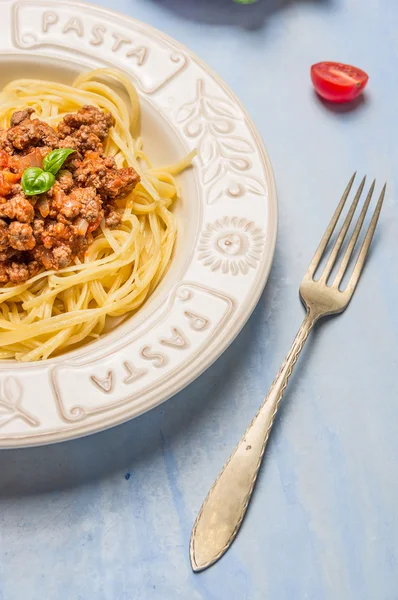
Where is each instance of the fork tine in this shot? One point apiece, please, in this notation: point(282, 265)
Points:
point(366, 244)
point(328, 233)
point(354, 238)
point(342, 234)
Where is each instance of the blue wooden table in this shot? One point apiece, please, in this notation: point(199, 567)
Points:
point(109, 517)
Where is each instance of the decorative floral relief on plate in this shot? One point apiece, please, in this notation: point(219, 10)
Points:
point(11, 403)
point(225, 156)
point(110, 382)
point(231, 244)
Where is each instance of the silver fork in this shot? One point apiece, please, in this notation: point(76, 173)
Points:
point(223, 511)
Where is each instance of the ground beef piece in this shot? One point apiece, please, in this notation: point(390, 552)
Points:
point(101, 172)
point(33, 268)
point(96, 121)
point(91, 205)
point(120, 182)
point(3, 235)
point(113, 218)
point(71, 206)
point(62, 256)
point(18, 208)
point(32, 134)
point(38, 228)
point(5, 144)
point(21, 115)
point(62, 204)
point(65, 180)
point(20, 236)
point(57, 258)
point(43, 256)
point(3, 273)
point(17, 272)
point(57, 234)
point(82, 141)
point(16, 189)
point(93, 169)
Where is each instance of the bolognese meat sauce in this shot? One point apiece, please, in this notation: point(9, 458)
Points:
point(51, 229)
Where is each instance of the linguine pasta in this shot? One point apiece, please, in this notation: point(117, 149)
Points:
point(56, 310)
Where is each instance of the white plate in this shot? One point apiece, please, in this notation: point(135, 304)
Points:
point(227, 225)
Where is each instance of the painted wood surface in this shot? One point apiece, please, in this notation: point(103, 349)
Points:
point(109, 517)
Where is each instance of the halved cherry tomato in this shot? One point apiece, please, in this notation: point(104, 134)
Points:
point(338, 82)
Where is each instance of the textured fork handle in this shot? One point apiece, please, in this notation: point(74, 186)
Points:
point(223, 510)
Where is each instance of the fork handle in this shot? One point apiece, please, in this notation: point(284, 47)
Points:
point(223, 510)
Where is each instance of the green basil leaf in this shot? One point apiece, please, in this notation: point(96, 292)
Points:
point(36, 181)
point(54, 161)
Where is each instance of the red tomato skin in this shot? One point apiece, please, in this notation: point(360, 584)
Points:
point(95, 225)
point(11, 178)
point(333, 88)
point(4, 159)
point(5, 187)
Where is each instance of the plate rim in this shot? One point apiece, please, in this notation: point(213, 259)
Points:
point(223, 341)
